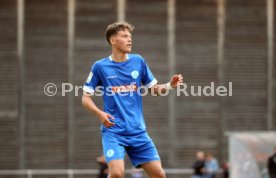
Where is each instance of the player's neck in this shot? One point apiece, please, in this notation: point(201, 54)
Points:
point(118, 56)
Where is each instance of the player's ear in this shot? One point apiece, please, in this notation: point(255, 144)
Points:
point(112, 40)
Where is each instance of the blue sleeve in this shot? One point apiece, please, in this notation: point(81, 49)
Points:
point(147, 77)
point(93, 80)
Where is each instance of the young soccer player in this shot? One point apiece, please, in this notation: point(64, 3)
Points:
point(123, 127)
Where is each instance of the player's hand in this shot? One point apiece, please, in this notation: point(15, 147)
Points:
point(104, 118)
point(176, 80)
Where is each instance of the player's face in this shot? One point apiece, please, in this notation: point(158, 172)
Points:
point(122, 41)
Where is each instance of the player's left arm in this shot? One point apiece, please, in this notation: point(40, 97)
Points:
point(175, 81)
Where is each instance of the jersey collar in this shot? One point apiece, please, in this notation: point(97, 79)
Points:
point(110, 58)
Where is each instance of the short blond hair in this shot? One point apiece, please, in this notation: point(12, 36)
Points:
point(113, 29)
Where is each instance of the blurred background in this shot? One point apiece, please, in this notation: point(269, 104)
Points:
point(57, 41)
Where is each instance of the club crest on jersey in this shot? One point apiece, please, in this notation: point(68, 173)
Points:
point(134, 74)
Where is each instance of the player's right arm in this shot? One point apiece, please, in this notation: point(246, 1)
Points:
point(89, 88)
point(89, 105)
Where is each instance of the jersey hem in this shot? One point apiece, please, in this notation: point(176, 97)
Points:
point(105, 131)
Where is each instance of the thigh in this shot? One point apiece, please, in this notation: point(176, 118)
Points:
point(153, 169)
point(112, 148)
point(116, 167)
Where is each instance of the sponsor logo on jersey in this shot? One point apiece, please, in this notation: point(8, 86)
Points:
point(124, 88)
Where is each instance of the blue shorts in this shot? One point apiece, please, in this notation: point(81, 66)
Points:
point(140, 148)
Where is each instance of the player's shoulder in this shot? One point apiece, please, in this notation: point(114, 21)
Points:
point(101, 62)
point(136, 57)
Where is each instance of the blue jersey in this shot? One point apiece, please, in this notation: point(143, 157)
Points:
point(120, 82)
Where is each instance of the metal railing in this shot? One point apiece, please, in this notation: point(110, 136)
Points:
point(71, 172)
